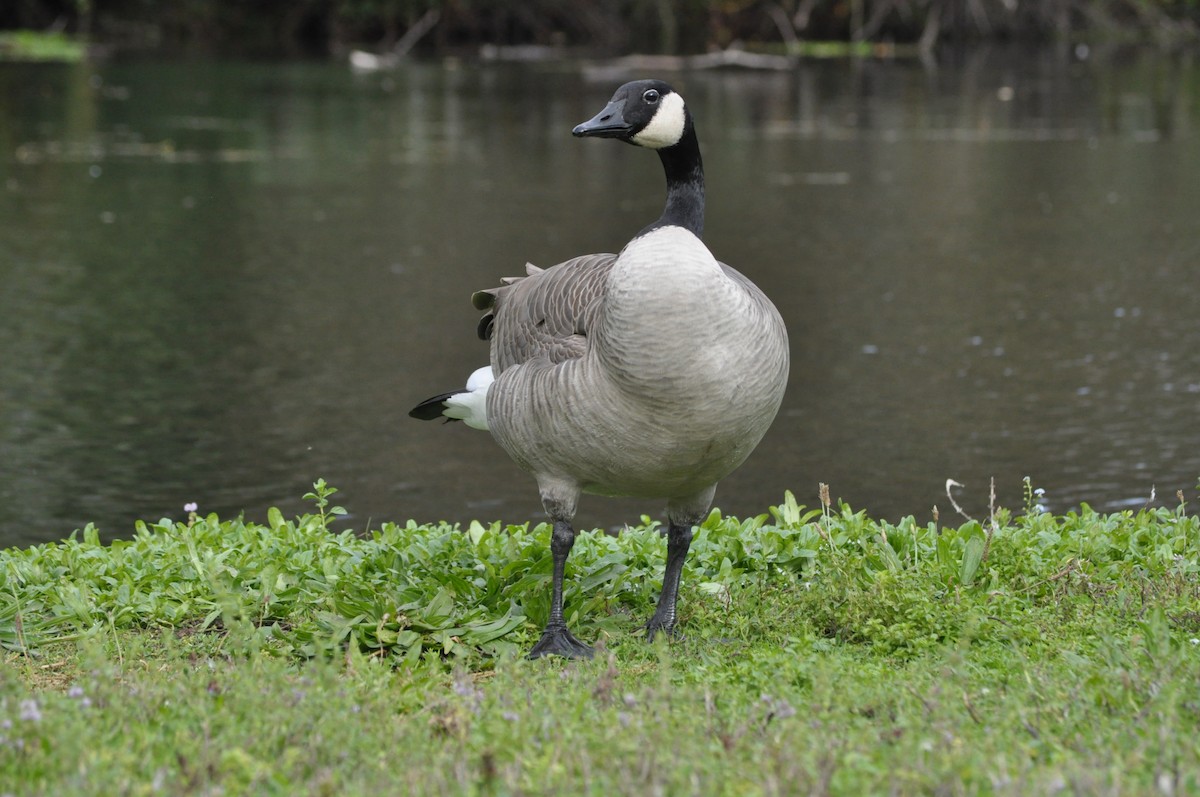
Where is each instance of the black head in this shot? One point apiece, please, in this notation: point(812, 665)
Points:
point(648, 113)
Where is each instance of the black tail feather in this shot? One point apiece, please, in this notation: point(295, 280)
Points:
point(486, 325)
point(431, 408)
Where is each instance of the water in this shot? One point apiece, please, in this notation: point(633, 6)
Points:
point(224, 280)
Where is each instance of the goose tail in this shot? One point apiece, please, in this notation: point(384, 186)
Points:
point(468, 405)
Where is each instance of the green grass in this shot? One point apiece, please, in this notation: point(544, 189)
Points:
point(824, 652)
point(29, 45)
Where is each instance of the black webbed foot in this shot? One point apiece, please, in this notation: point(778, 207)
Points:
point(558, 641)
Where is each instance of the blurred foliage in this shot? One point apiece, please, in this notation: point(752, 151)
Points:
point(604, 26)
point(27, 45)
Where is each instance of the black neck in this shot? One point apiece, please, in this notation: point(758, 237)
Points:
point(685, 185)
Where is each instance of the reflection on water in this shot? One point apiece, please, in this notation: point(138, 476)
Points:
point(221, 281)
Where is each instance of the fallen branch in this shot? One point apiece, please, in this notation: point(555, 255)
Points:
point(361, 59)
point(721, 59)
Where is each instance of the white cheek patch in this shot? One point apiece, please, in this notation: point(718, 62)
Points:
point(666, 127)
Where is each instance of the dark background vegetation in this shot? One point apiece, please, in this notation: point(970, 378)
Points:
point(602, 27)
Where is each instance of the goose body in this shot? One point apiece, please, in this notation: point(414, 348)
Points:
point(661, 399)
point(651, 373)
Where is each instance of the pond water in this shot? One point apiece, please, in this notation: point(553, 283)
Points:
point(221, 281)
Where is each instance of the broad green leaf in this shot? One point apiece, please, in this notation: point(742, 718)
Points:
point(972, 556)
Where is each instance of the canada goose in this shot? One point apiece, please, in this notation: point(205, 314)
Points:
point(652, 373)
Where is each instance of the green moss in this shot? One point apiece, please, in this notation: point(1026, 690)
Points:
point(28, 45)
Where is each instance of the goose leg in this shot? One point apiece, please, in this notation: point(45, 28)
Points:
point(683, 514)
point(679, 539)
point(556, 639)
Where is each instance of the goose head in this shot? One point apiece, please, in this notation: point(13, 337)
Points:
point(647, 113)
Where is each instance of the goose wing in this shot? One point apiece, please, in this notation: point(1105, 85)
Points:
point(546, 314)
point(549, 312)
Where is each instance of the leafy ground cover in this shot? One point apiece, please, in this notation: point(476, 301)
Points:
point(824, 652)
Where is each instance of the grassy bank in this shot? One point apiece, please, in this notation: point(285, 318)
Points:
point(28, 45)
point(824, 652)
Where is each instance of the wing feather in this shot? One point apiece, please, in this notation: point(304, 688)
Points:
point(549, 312)
point(546, 314)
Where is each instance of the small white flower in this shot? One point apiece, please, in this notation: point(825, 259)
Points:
point(30, 711)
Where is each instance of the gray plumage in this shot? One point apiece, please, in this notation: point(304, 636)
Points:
point(635, 377)
point(651, 373)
